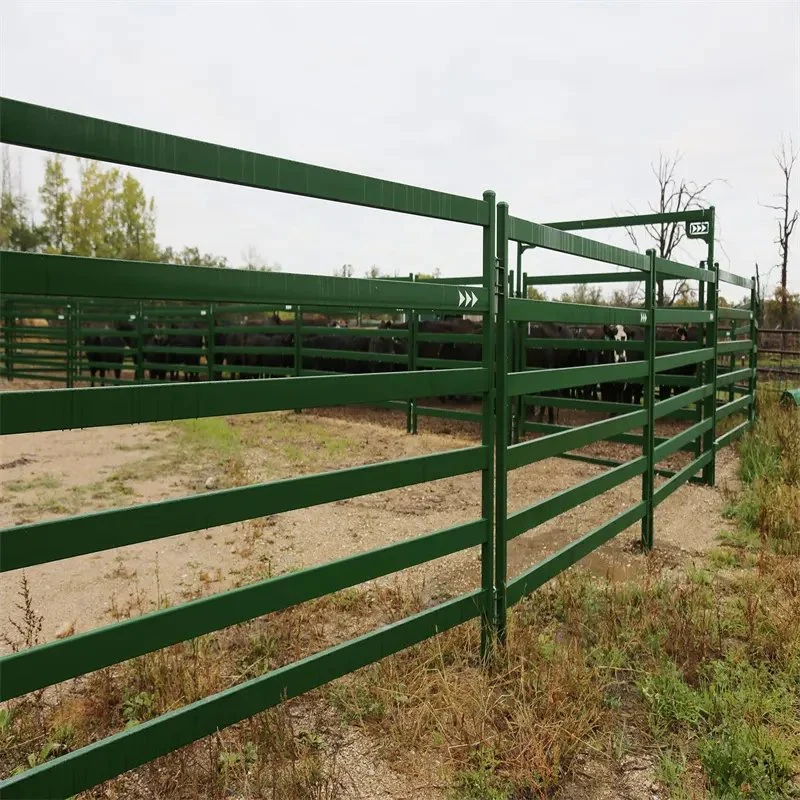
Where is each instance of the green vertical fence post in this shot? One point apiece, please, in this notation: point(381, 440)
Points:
point(140, 334)
point(751, 411)
point(511, 337)
point(9, 343)
point(501, 423)
point(211, 361)
point(732, 360)
point(413, 330)
point(523, 357)
point(521, 329)
point(77, 323)
point(516, 347)
point(298, 345)
point(411, 365)
point(710, 372)
point(698, 374)
point(70, 346)
point(488, 431)
point(648, 432)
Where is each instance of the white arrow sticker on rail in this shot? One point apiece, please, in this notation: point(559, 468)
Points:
point(474, 298)
point(461, 297)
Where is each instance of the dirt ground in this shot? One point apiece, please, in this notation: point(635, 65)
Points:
point(49, 475)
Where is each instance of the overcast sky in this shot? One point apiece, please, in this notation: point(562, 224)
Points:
point(559, 107)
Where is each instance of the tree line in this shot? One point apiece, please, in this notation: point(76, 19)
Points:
point(106, 215)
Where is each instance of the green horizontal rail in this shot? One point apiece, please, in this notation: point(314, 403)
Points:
point(675, 380)
point(522, 310)
point(547, 446)
point(51, 540)
point(534, 381)
point(731, 435)
point(540, 512)
point(42, 128)
point(673, 269)
point(449, 413)
point(682, 315)
point(349, 355)
point(446, 363)
point(47, 664)
point(578, 405)
point(584, 277)
point(520, 230)
point(97, 762)
point(675, 360)
point(451, 338)
point(61, 409)
point(620, 438)
point(582, 344)
point(664, 408)
point(736, 346)
point(473, 280)
point(734, 407)
point(551, 566)
point(734, 377)
point(679, 442)
point(662, 492)
point(734, 313)
point(632, 221)
point(729, 277)
point(135, 280)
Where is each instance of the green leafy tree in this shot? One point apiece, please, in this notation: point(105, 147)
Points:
point(18, 231)
point(536, 294)
point(55, 194)
point(191, 257)
point(585, 294)
point(136, 216)
point(111, 216)
point(94, 228)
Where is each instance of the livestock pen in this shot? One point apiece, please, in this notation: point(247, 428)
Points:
point(107, 291)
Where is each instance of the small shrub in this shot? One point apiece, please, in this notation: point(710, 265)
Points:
point(743, 760)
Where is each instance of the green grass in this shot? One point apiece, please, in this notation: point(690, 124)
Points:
point(769, 504)
point(46, 481)
point(209, 435)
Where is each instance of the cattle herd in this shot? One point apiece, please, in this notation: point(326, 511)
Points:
point(174, 351)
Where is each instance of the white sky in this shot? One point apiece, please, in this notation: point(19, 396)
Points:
point(559, 107)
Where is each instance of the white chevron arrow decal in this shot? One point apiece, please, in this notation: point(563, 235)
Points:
point(461, 298)
point(474, 297)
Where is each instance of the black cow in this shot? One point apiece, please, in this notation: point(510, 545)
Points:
point(677, 334)
point(550, 357)
point(188, 363)
point(99, 359)
point(332, 363)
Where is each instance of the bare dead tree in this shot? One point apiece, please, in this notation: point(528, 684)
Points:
point(786, 158)
point(674, 194)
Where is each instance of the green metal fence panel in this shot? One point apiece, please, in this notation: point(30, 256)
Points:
point(77, 297)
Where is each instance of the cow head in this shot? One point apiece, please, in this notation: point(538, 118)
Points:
point(617, 333)
point(681, 335)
